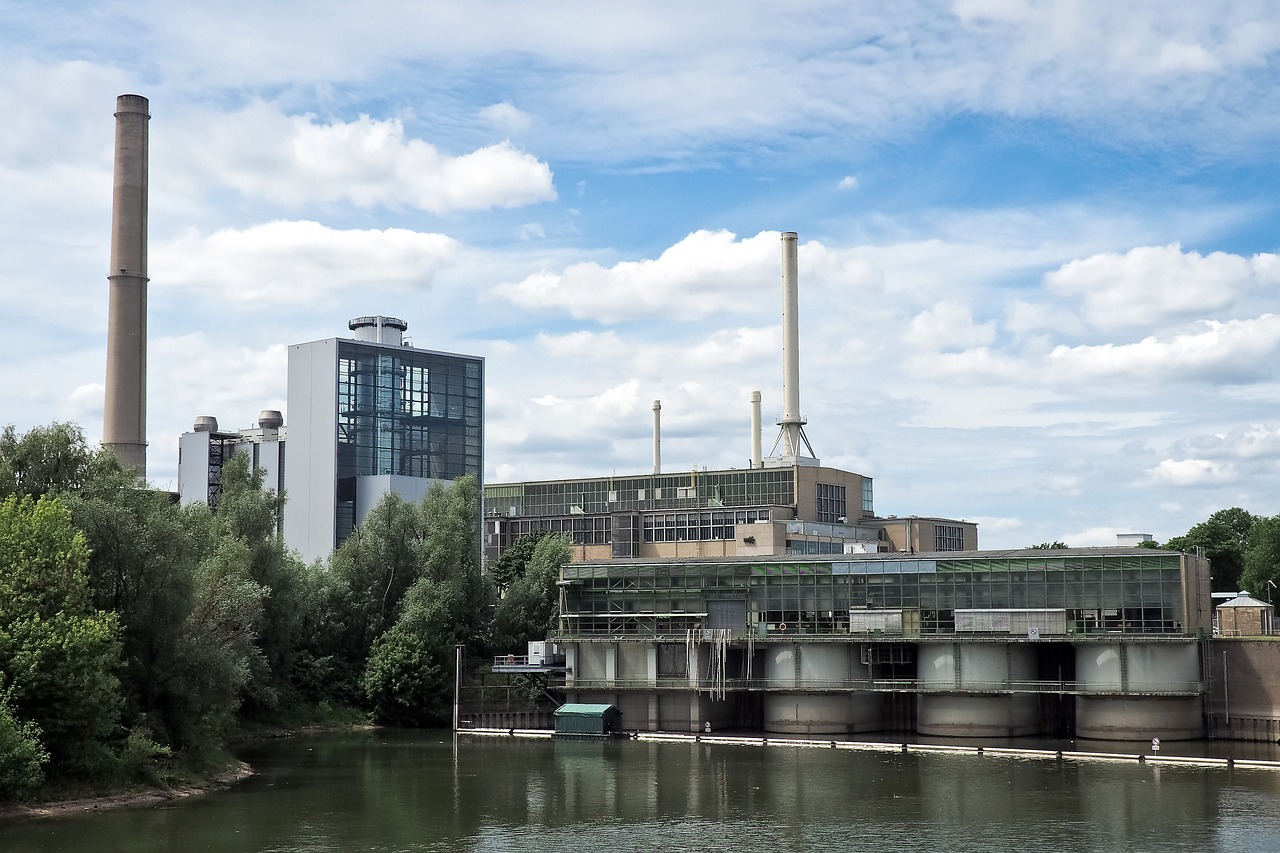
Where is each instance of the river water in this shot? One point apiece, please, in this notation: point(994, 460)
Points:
point(405, 791)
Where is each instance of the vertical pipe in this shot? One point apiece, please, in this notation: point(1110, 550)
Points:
point(657, 436)
point(790, 340)
point(457, 686)
point(124, 422)
point(756, 454)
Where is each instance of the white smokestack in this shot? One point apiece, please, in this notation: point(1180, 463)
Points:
point(756, 455)
point(657, 436)
point(791, 435)
point(124, 417)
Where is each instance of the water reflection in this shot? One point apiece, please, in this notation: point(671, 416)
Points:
point(409, 792)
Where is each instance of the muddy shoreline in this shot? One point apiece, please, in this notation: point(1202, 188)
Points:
point(151, 796)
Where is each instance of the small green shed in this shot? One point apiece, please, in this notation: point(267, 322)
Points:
point(581, 720)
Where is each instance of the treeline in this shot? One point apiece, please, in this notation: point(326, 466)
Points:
point(136, 633)
point(1243, 549)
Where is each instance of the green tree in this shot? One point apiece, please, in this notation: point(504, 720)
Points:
point(1055, 545)
point(58, 655)
point(512, 562)
point(408, 677)
point(358, 599)
point(1262, 557)
point(22, 756)
point(48, 459)
point(530, 607)
point(250, 515)
point(1224, 537)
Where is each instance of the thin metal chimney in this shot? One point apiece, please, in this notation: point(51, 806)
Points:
point(124, 421)
point(755, 430)
point(791, 435)
point(657, 436)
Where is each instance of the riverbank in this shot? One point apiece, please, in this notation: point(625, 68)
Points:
point(222, 780)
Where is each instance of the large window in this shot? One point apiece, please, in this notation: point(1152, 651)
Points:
point(831, 504)
point(948, 537)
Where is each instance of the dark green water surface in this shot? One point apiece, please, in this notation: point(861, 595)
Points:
point(382, 791)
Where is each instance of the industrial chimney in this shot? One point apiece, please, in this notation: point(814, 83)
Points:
point(657, 436)
point(791, 435)
point(124, 422)
point(755, 430)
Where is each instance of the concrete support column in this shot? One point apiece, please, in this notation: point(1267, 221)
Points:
point(611, 663)
point(651, 664)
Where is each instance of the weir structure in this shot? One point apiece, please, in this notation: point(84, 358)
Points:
point(124, 421)
point(1103, 643)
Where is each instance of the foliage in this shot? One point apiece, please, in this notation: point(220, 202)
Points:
point(408, 675)
point(1262, 557)
point(529, 608)
point(512, 562)
point(59, 656)
point(250, 516)
point(22, 756)
point(405, 681)
point(48, 459)
point(357, 600)
point(1055, 545)
point(1224, 536)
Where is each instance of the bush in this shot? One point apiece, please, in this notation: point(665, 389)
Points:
point(22, 756)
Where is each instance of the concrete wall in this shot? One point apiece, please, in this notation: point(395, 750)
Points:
point(1244, 689)
point(310, 474)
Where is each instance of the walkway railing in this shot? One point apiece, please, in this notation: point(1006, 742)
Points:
point(890, 685)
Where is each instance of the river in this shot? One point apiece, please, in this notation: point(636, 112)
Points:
point(412, 791)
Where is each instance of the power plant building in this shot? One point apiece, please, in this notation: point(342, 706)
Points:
point(368, 416)
point(784, 508)
point(1099, 642)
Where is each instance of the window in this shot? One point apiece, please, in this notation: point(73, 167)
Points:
point(948, 537)
point(831, 504)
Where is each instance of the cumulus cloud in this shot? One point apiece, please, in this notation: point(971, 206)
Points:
point(949, 325)
point(707, 272)
point(297, 159)
point(1193, 472)
point(297, 262)
point(1150, 284)
point(1235, 351)
point(848, 182)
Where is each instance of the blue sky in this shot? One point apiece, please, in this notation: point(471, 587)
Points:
point(1037, 265)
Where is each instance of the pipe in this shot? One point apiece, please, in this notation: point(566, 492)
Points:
point(124, 421)
point(657, 436)
point(756, 455)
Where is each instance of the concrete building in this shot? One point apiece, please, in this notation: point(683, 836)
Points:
point(1092, 642)
point(1245, 616)
point(368, 416)
point(781, 508)
point(203, 451)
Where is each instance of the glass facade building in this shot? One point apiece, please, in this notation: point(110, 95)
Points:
point(1087, 591)
point(370, 416)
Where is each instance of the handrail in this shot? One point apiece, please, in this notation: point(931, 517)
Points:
point(890, 685)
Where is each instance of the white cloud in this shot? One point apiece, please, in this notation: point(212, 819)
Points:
point(507, 117)
point(296, 160)
point(949, 325)
point(297, 262)
point(707, 272)
point(1236, 351)
point(1153, 284)
point(848, 182)
point(1193, 472)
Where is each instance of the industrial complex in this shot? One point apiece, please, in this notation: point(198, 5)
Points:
point(771, 597)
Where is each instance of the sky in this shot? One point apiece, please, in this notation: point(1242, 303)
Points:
point(1038, 263)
